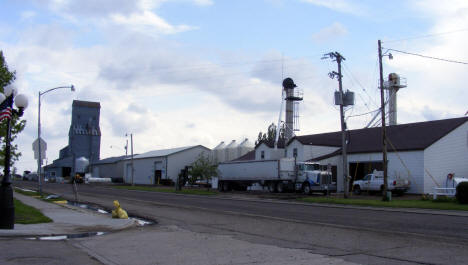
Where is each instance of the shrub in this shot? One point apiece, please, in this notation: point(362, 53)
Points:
point(462, 193)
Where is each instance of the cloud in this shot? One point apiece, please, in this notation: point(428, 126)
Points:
point(148, 22)
point(344, 6)
point(334, 31)
point(27, 15)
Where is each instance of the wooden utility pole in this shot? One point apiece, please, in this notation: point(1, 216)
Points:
point(384, 134)
point(338, 58)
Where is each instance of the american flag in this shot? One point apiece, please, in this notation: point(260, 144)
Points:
point(5, 108)
point(5, 113)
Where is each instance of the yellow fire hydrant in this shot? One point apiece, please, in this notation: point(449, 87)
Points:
point(118, 212)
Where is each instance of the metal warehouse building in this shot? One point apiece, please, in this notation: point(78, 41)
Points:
point(157, 165)
point(423, 152)
point(112, 167)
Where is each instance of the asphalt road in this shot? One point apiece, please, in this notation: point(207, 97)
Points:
point(366, 236)
point(437, 225)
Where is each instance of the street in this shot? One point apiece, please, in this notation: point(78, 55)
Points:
point(365, 236)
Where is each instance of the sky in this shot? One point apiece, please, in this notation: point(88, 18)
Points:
point(187, 72)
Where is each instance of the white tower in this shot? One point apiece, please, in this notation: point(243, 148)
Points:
point(293, 96)
point(392, 85)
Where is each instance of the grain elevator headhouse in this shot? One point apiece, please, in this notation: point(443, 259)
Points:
point(293, 96)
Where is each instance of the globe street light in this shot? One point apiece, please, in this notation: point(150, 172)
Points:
point(39, 160)
point(7, 207)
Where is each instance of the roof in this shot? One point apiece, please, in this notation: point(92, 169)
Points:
point(271, 143)
point(90, 104)
point(166, 152)
point(403, 137)
point(110, 160)
point(249, 156)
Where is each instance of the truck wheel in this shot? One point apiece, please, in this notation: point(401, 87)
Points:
point(357, 190)
point(220, 186)
point(272, 187)
point(226, 186)
point(306, 188)
point(280, 187)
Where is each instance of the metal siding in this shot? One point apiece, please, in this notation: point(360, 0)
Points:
point(413, 160)
point(178, 161)
point(448, 155)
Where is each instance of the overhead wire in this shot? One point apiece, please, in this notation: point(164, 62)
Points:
point(348, 71)
point(426, 36)
point(426, 56)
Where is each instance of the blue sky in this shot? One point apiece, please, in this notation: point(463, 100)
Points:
point(184, 72)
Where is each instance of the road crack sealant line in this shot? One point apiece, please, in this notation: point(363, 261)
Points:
point(359, 229)
point(328, 205)
point(367, 253)
point(94, 254)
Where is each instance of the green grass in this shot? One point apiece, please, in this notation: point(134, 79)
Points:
point(446, 204)
point(25, 214)
point(27, 193)
point(168, 190)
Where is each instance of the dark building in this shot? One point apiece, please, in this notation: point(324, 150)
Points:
point(84, 139)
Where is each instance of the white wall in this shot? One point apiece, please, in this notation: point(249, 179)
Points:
point(178, 161)
point(408, 165)
point(412, 166)
point(307, 152)
point(300, 150)
point(448, 155)
point(143, 170)
point(270, 153)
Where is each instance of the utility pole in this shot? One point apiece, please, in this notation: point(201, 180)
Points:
point(131, 150)
point(384, 134)
point(338, 58)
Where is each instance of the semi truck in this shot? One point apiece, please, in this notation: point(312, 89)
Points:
point(280, 175)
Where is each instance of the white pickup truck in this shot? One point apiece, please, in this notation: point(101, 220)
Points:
point(375, 183)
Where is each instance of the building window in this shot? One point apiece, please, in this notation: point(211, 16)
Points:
point(295, 152)
point(262, 155)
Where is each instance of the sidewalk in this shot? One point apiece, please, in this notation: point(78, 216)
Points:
point(67, 219)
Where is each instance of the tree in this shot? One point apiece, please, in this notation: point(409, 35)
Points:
point(203, 168)
point(17, 125)
point(270, 135)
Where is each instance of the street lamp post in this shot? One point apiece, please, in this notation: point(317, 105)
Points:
point(39, 160)
point(7, 207)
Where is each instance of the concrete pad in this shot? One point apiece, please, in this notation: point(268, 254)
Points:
point(173, 245)
point(67, 219)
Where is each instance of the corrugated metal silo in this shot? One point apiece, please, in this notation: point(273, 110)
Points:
point(218, 152)
point(244, 147)
point(231, 151)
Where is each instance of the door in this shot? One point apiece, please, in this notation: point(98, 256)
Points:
point(157, 172)
point(128, 175)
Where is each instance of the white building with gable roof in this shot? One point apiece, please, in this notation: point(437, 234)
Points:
point(164, 165)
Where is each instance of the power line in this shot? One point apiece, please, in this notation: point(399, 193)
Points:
point(426, 36)
point(359, 83)
point(428, 57)
point(362, 114)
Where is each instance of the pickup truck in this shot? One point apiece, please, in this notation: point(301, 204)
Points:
point(375, 183)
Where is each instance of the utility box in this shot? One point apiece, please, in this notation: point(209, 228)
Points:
point(338, 98)
point(348, 98)
point(345, 99)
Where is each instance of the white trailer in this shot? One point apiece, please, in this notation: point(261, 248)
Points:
point(278, 175)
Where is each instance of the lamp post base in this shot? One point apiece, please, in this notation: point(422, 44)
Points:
point(7, 207)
